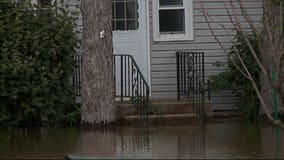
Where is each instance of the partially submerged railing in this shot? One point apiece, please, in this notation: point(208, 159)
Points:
point(130, 84)
point(78, 75)
point(190, 79)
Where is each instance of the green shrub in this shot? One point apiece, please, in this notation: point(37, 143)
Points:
point(36, 64)
point(232, 79)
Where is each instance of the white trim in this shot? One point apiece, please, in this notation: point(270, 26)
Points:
point(148, 46)
point(188, 35)
point(171, 8)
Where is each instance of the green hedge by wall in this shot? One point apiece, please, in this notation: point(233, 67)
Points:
point(232, 78)
point(36, 64)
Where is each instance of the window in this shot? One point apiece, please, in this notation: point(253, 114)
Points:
point(39, 2)
point(172, 20)
point(125, 15)
point(44, 2)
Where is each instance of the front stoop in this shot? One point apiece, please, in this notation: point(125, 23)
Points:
point(161, 120)
point(162, 112)
point(233, 115)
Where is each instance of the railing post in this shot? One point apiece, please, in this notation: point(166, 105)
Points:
point(128, 73)
point(208, 90)
point(125, 76)
point(203, 82)
point(121, 78)
point(77, 74)
point(178, 75)
point(114, 73)
point(147, 107)
point(194, 78)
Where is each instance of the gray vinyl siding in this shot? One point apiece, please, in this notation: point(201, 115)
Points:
point(75, 6)
point(163, 60)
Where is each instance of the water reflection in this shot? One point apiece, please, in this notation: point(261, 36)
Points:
point(213, 140)
point(99, 143)
point(272, 145)
point(135, 141)
point(37, 143)
point(195, 137)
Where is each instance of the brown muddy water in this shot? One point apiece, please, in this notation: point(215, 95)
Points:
point(212, 140)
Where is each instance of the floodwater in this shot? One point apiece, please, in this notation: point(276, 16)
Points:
point(213, 140)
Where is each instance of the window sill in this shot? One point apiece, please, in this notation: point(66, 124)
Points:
point(173, 37)
point(121, 31)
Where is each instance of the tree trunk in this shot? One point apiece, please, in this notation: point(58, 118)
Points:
point(272, 35)
point(266, 92)
point(98, 106)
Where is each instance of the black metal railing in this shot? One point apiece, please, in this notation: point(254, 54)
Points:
point(77, 75)
point(130, 84)
point(190, 79)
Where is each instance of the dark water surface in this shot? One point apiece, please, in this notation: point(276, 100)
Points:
point(213, 140)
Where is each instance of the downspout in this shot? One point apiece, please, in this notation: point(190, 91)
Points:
point(148, 44)
point(274, 94)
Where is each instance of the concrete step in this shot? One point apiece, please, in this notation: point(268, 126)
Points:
point(160, 107)
point(161, 120)
point(222, 116)
point(157, 107)
point(168, 106)
point(180, 119)
point(166, 116)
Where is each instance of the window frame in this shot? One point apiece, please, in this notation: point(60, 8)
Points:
point(188, 15)
point(136, 18)
point(35, 2)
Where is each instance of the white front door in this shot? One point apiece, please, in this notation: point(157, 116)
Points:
point(130, 35)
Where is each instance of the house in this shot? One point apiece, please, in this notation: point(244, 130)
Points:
point(152, 31)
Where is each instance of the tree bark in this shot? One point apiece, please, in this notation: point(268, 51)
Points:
point(98, 106)
point(272, 36)
point(266, 92)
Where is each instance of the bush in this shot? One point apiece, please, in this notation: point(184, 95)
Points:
point(233, 80)
point(37, 47)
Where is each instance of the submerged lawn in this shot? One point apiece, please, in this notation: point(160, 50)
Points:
point(212, 140)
